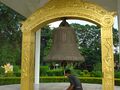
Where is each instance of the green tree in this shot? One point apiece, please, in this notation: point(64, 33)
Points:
point(89, 42)
point(46, 41)
point(10, 35)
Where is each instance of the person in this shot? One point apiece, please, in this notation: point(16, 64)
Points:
point(74, 81)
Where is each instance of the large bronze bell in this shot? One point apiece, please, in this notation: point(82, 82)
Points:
point(64, 46)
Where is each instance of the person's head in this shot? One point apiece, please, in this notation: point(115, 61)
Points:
point(67, 72)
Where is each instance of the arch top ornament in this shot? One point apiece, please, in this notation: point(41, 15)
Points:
point(107, 20)
point(56, 9)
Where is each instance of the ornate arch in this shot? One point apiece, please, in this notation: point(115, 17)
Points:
point(55, 10)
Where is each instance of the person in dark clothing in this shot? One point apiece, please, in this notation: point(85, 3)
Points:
point(74, 81)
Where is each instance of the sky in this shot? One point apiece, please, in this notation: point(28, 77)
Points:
point(56, 24)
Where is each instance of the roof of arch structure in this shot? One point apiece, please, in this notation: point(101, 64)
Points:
point(27, 7)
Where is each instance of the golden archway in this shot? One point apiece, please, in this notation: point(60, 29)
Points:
point(54, 10)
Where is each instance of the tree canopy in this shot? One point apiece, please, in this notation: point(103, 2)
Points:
point(10, 35)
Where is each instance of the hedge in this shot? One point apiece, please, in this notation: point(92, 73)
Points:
point(53, 79)
point(9, 80)
point(64, 79)
point(16, 80)
point(117, 82)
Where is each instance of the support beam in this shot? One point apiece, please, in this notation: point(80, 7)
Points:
point(27, 74)
point(107, 53)
point(37, 59)
point(107, 58)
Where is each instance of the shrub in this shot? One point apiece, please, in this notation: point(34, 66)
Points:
point(55, 72)
point(64, 79)
point(93, 80)
point(96, 74)
point(17, 71)
point(117, 74)
point(117, 82)
point(53, 79)
point(43, 70)
point(76, 72)
point(9, 80)
point(1, 71)
point(85, 73)
point(9, 74)
point(16, 80)
point(98, 67)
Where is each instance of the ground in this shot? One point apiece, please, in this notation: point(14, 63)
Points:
point(56, 86)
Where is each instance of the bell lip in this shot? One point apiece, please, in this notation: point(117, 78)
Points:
point(49, 60)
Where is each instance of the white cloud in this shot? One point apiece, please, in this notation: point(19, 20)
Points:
point(116, 22)
point(56, 24)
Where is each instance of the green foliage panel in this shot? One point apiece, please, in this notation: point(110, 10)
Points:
point(53, 79)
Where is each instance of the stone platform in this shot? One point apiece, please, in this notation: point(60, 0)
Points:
point(56, 86)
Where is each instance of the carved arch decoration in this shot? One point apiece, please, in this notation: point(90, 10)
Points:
point(79, 9)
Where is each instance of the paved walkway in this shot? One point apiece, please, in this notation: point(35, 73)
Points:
point(56, 86)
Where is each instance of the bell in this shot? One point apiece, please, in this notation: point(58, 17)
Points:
point(64, 46)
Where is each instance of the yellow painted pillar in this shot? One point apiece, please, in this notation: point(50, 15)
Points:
point(28, 45)
point(107, 53)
